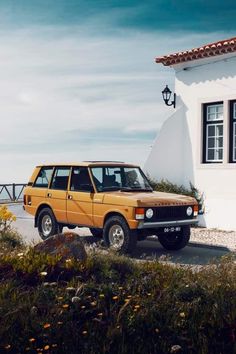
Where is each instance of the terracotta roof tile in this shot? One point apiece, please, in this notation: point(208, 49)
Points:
point(208, 50)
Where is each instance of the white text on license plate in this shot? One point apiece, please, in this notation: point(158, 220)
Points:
point(172, 229)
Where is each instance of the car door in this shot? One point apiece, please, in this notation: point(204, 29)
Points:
point(57, 193)
point(80, 198)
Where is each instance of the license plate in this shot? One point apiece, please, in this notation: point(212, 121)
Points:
point(172, 229)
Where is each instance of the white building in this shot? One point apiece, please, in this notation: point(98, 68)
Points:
point(197, 142)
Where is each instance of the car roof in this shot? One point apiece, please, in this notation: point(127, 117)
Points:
point(90, 164)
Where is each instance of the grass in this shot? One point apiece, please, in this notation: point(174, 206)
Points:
point(111, 304)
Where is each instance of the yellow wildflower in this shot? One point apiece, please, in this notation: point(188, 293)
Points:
point(65, 306)
point(46, 325)
point(46, 347)
point(182, 314)
point(115, 297)
point(101, 295)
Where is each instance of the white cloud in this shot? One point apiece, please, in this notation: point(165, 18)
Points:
point(58, 80)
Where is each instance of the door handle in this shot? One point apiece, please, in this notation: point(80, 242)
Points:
point(70, 197)
point(49, 195)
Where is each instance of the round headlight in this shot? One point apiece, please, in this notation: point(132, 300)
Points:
point(149, 213)
point(189, 211)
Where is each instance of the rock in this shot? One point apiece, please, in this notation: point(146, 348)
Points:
point(175, 349)
point(67, 245)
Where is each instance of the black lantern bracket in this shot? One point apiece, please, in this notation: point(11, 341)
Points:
point(166, 94)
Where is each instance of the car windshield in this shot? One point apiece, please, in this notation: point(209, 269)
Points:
point(120, 178)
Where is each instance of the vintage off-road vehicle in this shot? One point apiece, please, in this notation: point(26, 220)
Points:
point(113, 199)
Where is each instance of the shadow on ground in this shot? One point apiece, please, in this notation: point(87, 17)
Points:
point(193, 254)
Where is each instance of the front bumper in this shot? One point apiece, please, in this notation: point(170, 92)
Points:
point(155, 225)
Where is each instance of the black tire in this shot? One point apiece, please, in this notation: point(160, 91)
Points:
point(54, 228)
point(96, 232)
point(175, 241)
point(127, 238)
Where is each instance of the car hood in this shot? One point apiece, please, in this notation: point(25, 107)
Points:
point(146, 199)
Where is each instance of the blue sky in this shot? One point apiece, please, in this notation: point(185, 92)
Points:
point(78, 79)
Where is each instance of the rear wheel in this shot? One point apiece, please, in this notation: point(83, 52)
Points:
point(118, 236)
point(96, 232)
point(47, 224)
point(175, 241)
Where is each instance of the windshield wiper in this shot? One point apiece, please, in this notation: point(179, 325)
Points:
point(129, 189)
point(111, 188)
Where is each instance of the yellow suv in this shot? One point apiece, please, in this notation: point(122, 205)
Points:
point(113, 199)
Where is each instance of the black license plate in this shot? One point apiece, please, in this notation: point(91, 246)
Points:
point(172, 229)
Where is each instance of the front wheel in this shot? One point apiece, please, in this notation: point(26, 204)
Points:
point(47, 224)
point(176, 240)
point(118, 236)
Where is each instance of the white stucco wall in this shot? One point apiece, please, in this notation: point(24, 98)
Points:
point(176, 154)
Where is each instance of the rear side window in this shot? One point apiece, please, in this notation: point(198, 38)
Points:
point(60, 178)
point(44, 177)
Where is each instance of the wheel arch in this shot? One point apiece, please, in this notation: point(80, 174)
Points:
point(114, 213)
point(41, 207)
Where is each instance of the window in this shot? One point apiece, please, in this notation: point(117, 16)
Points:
point(60, 178)
point(119, 178)
point(80, 180)
point(213, 133)
point(232, 140)
point(44, 177)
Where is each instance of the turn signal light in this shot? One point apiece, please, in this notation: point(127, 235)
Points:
point(195, 210)
point(139, 213)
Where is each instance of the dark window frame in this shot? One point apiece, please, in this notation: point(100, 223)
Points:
point(205, 124)
point(232, 124)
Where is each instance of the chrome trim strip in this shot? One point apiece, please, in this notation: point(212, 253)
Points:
point(149, 225)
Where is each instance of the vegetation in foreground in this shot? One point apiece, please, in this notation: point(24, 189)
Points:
point(111, 304)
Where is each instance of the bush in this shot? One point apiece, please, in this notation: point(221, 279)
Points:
point(8, 236)
point(166, 186)
point(111, 304)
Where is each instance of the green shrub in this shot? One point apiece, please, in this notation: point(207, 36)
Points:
point(111, 304)
point(166, 186)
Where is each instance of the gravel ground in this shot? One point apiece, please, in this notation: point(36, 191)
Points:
point(214, 237)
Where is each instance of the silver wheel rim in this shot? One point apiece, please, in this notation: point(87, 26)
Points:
point(116, 236)
point(46, 225)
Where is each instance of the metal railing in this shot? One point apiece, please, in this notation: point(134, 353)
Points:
point(11, 192)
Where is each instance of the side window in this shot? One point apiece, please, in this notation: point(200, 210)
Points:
point(232, 138)
point(213, 133)
point(97, 173)
point(44, 177)
point(80, 180)
point(60, 178)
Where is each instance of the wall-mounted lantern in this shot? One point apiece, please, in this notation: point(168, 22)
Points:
point(166, 93)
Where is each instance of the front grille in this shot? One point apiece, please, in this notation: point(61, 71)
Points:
point(169, 213)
